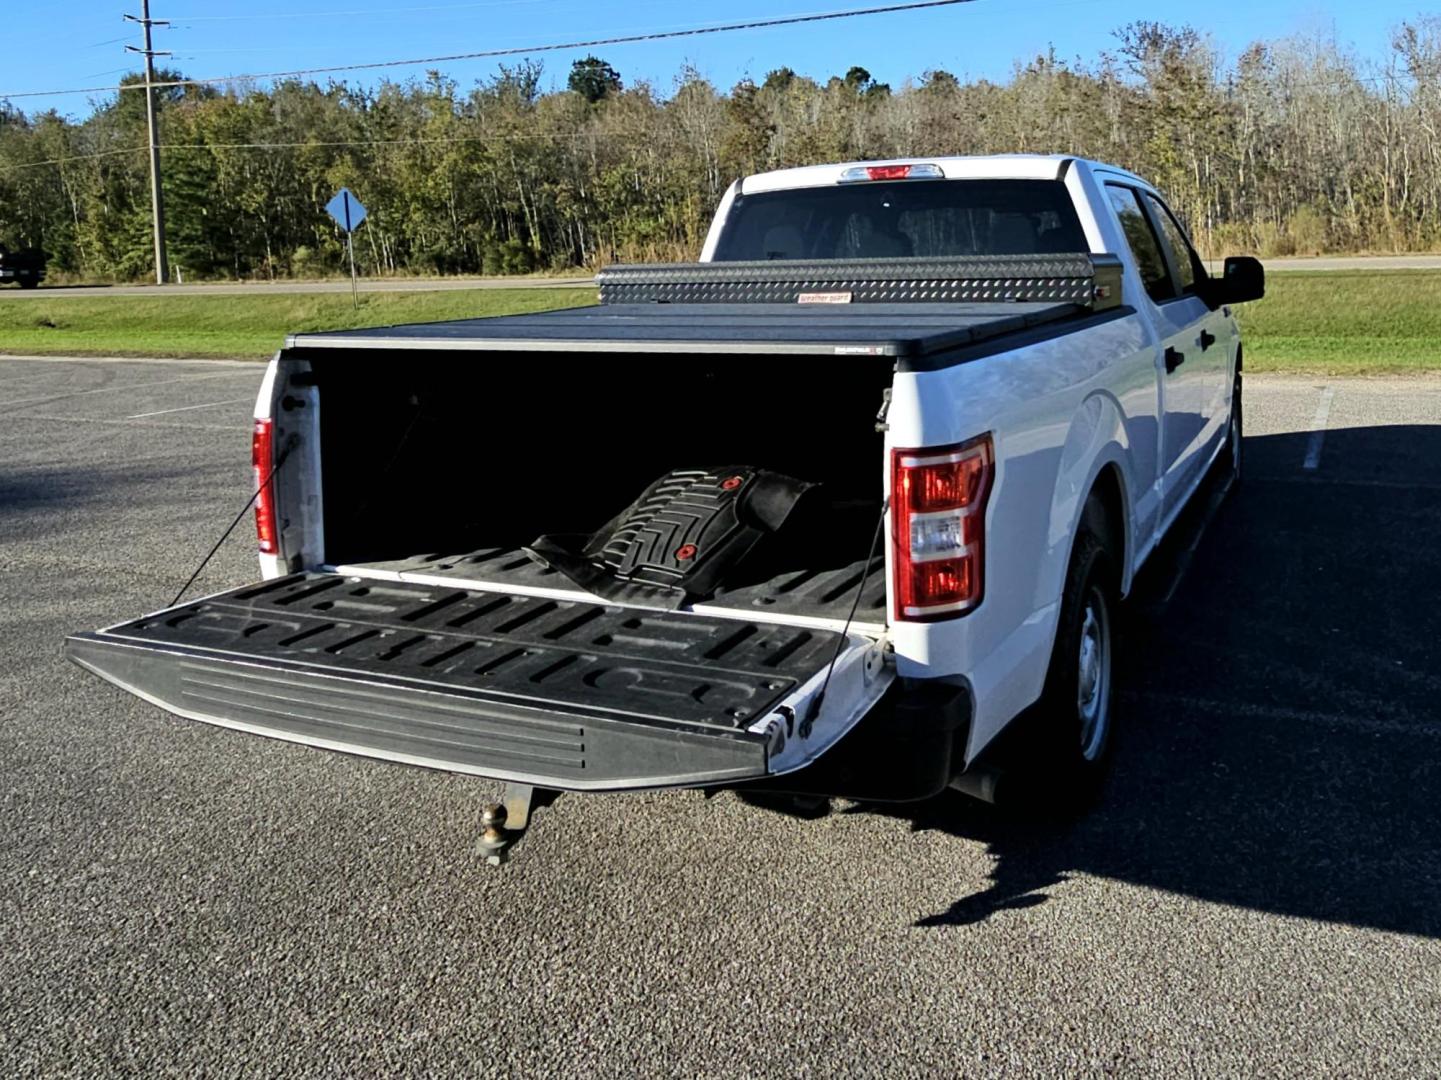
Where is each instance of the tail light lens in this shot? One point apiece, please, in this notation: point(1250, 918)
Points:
point(262, 457)
point(938, 522)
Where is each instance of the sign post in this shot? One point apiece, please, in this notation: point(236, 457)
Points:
point(345, 208)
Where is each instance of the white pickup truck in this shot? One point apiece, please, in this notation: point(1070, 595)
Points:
point(825, 512)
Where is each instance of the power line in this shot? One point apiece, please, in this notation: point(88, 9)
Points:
point(73, 157)
point(553, 136)
point(352, 13)
point(593, 43)
point(1267, 89)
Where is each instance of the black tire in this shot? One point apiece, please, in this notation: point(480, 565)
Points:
point(29, 283)
point(1231, 456)
point(1074, 719)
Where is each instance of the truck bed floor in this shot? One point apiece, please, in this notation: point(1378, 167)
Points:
point(812, 594)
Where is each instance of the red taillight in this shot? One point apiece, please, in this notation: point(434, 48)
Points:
point(263, 459)
point(938, 519)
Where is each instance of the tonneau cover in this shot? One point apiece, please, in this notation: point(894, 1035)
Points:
point(899, 330)
point(909, 307)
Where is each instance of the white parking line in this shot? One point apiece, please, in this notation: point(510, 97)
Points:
point(1347, 481)
point(1245, 710)
point(188, 408)
point(164, 361)
point(21, 418)
point(48, 398)
point(1318, 429)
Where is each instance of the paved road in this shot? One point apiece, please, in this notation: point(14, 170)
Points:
point(579, 281)
point(1260, 894)
point(1348, 262)
point(1358, 262)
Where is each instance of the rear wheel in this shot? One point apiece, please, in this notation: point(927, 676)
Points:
point(29, 283)
point(1074, 718)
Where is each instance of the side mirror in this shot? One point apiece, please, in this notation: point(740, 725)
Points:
point(1243, 278)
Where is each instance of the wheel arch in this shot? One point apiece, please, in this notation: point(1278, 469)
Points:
point(1095, 465)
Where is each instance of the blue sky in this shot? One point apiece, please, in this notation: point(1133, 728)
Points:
point(49, 45)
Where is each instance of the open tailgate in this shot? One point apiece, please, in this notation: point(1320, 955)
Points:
point(562, 694)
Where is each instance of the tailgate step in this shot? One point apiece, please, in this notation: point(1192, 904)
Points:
point(567, 694)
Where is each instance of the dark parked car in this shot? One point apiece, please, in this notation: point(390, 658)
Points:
point(25, 268)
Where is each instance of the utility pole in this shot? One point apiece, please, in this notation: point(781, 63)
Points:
point(157, 197)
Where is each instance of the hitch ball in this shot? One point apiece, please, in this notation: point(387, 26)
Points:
point(493, 837)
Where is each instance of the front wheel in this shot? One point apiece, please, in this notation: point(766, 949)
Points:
point(29, 283)
point(1234, 433)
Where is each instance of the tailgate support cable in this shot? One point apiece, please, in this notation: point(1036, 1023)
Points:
point(284, 453)
point(816, 702)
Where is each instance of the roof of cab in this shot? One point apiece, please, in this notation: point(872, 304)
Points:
point(996, 166)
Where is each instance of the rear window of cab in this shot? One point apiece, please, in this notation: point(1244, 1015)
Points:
point(896, 219)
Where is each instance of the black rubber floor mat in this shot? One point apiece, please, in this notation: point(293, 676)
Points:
point(677, 542)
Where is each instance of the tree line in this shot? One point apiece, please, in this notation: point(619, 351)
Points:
point(1294, 146)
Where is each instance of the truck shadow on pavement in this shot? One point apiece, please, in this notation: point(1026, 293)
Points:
point(40, 500)
point(1279, 719)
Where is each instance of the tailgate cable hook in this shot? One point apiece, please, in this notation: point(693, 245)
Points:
point(814, 711)
point(882, 417)
point(290, 444)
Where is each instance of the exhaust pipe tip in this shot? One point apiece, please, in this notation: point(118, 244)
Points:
point(980, 783)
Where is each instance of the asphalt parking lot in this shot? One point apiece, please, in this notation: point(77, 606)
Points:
point(1260, 894)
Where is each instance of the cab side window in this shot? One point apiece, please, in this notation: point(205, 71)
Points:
point(1188, 264)
point(1144, 244)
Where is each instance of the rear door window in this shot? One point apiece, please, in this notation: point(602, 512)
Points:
point(1145, 245)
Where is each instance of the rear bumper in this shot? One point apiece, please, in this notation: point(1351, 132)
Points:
point(455, 730)
point(909, 747)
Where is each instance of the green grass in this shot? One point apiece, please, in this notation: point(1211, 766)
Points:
point(236, 326)
point(1313, 322)
point(1345, 322)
